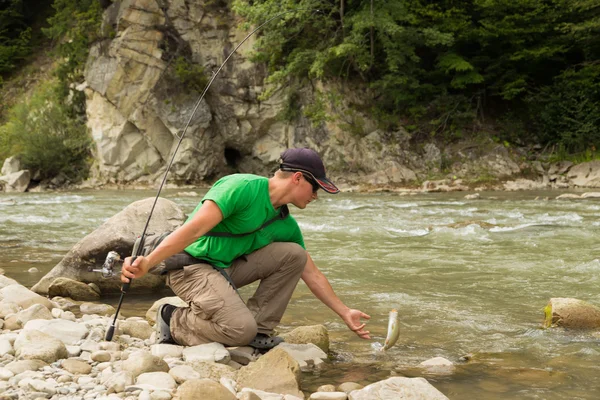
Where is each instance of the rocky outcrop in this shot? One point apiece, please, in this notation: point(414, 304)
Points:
point(117, 234)
point(138, 107)
point(585, 174)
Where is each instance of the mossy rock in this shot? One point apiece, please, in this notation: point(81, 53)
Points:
point(571, 313)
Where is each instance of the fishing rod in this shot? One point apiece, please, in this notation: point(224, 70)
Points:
point(139, 243)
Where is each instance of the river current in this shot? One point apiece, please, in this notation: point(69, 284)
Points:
point(468, 277)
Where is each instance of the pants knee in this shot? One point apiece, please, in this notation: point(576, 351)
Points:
point(244, 332)
point(296, 256)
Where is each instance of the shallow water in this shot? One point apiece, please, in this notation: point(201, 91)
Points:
point(467, 276)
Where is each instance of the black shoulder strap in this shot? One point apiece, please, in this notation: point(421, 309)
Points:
point(283, 213)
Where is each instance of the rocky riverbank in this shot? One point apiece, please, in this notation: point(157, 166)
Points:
point(54, 348)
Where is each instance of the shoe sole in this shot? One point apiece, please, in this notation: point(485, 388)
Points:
point(161, 326)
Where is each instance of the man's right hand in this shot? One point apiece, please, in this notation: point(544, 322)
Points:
point(134, 270)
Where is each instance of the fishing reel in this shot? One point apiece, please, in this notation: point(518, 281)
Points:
point(108, 268)
point(112, 258)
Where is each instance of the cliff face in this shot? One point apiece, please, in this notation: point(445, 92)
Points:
point(137, 108)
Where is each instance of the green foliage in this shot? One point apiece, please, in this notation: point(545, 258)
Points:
point(46, 137)
point(316, 111)
point(568, 111)
point(440, 66)
point(190, 75)
point(15, 35)
point(75, 25)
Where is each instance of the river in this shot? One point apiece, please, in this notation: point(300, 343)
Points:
point(467, 276)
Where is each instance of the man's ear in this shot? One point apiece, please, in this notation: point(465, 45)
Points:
point(297, 176)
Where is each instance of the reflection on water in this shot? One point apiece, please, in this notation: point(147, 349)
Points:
point(469, 277)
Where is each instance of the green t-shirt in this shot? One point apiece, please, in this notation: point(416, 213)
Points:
point(245, 204)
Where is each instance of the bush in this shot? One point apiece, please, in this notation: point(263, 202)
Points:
point(46, 137)
point(569, 110)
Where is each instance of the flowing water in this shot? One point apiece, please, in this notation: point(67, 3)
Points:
point(467, 276)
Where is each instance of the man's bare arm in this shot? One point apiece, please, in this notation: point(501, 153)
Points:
point(207, 217)
point(319, 285)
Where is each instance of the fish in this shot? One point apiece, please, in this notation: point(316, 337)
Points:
point(393, 332)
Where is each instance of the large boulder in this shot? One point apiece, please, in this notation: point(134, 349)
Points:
point(398, 388)
point(10, 166)
point(16, 182)
point(118, 234)
point(585, 174)
point(275, 372)
point(571, 313)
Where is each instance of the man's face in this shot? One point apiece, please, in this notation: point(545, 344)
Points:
point(306, 191)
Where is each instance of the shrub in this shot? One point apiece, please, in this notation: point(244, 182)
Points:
point(46, 137)
point(569, 110)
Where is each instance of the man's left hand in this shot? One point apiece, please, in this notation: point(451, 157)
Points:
point(353, 320)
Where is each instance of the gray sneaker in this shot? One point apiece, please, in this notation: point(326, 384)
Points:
point(163, 330)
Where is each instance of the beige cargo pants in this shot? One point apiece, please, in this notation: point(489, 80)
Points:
point(216, 312)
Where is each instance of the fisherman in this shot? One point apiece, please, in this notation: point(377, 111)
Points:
point(240, 233)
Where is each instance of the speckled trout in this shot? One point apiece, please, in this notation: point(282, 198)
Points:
point(393, 331)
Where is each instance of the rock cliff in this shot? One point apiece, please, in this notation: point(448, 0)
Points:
point(138, 104)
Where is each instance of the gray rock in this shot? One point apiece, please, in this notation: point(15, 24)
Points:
point(328, 396)
point(242, 355)
point(117, 382)
point(23, 297)
point(117, 234)
point(167, 350)
point(36, 345)
point(160, 380)
point(16, 182)
point(77, 367)
point(35, 312)
point(20, 366)
point(348, 387)
point(315, 334)
point(307, 355)
point(182, 373)
point(585, 174)
point(438, 366)
point(100, 356)
point(213, 370)
point(137, 329)
point(141, 362)
point(6, 347)
point(210, 352)
point(68, 332)
point(571, 313)
point(275, 372)
point(71, 288)
point(10, 166)
point(326, 388)
point(5, 281)
point(97, 308)
point(203, 389)
point(398, 388)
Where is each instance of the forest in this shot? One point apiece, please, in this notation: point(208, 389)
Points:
point(526, 72)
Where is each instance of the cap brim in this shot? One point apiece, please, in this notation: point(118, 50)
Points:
point(327, 185)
